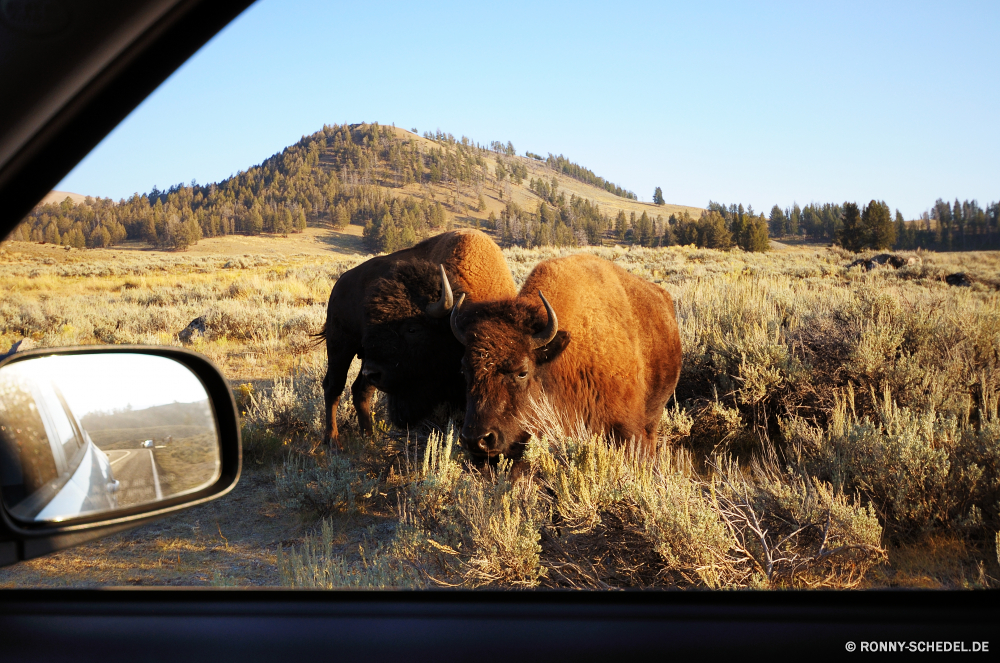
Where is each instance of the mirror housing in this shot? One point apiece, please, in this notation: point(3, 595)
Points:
point(21, 540)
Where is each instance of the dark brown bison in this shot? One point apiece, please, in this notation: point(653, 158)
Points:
point(599, 345)
point(392, 312)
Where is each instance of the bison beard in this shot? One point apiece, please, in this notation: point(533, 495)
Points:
point(609, 361)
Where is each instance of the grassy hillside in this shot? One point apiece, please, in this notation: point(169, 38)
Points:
point(397, 185)
point(56, 197)
point(462, 200)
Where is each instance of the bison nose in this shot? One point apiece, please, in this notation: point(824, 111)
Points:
point(372, 373)
point(479, 444)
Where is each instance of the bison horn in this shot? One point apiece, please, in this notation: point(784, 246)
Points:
point(454, 315)
point(443, 306)
point(545, 336)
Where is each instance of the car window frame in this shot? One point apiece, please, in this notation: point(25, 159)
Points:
point(40, 622)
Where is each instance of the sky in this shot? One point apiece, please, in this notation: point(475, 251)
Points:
point(759, 103)
point(114, 381)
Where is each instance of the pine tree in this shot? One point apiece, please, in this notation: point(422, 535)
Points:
point(739, 227)
point(621, 226)
point(99, 238)
point(437, 216)
point(256, 222)
point(644, 230)
point(757, 238)
point(712, 232)
point(901, 234)
point(658, 196)
point(116, 233)
point(852, 232)
point(878, 229)
point(342, 217)
point(75, 238)
point(284, 221)
point(52, 233)
point(778, 221)
point(191, 230)
point(149, 231)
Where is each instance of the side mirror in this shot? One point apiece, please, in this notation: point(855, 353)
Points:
point(96, 440)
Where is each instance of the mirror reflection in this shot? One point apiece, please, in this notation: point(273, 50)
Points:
point(83, 434)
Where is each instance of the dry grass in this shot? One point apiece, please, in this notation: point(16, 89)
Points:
point(833, 428)
point(259, 310)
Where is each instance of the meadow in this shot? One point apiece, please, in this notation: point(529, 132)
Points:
point(833, 427)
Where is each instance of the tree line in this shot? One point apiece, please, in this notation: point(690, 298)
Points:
point(959, 226)
point(577, 221)
point(563, 165)
point(345, 174)
point(945, 227)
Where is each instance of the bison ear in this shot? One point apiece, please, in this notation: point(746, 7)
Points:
point(553, 348)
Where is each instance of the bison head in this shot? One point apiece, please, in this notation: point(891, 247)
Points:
point(408, 351)
point(507, 346)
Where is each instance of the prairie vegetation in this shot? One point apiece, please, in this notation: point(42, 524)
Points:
point(833, 427)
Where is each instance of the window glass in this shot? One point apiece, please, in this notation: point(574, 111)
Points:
point(28, 464)
point(66, 435)
point(767, 360)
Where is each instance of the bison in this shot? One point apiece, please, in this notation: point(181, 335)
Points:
point(392, 312)
point(599, 345)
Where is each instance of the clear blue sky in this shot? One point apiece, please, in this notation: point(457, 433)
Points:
point(756, 102)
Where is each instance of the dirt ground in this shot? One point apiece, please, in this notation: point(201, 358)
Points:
point(230, 542)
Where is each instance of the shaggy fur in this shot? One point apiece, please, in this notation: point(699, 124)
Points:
point(420, 350)
point(612, 367)
point(398, 281)
point(406, 291)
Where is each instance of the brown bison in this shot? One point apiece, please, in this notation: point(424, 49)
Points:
point(600, 346)
point(392, 312)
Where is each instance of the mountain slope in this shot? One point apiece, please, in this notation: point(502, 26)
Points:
point(397, 185)
point(56, 197)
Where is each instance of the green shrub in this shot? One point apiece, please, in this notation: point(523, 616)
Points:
point(384, 562)
point(323, 486)
point(733, 529)
point(919, 468)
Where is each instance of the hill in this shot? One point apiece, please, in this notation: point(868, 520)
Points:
point(395, 185)
point(197, 414)
point(56, 197)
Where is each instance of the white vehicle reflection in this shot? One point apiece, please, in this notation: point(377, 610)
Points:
point(63, 473)
point(79, 437)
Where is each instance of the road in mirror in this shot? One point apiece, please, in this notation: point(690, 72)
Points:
point(90, 433)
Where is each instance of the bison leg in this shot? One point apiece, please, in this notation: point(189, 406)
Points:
point(339, 363)
point(362, 392)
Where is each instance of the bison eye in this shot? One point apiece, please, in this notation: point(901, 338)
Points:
point(411, 330)
point(522, 375)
